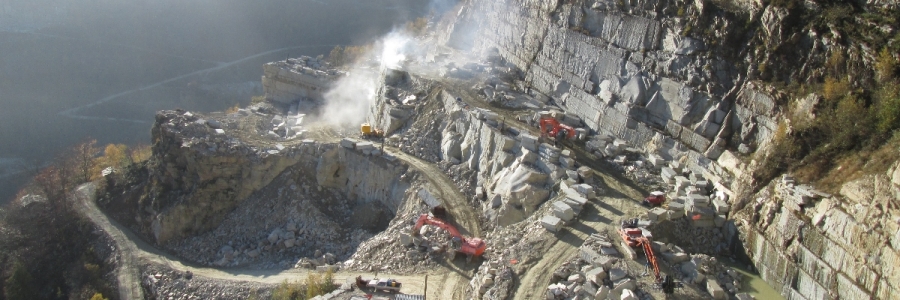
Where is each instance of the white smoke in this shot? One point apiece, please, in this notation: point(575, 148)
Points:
point(394, 49)
point(348, 102)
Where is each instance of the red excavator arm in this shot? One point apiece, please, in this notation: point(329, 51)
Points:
point(469, 246)
point(553, 128)
point(651, 257)
point(634, 237)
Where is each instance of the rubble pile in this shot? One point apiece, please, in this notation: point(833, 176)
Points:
point(597, 272)
point(422, 138)
point(288, 219)
point(396, 251)
point(720, 281)
point(161, 282)
point(493, 280)
point(569, 205)
point(510, 248)
point(707, 240)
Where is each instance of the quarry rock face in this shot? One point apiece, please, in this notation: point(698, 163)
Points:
point(820, 246)
point(297, 78)
point(629, 70)
point(198, 177)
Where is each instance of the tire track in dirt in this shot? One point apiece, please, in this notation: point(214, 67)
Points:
point(454, 200)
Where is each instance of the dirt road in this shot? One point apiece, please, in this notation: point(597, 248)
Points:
point(453, 199)
point(134, 251)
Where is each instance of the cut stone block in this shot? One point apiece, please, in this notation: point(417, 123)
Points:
point(659, 247)
point(405, 239)
point(675, 214)
point(348, 143)
point(602, 293)
point(563, 211)
point(720, 220)
point(551, 223)
point(363, 146)
point(715, 289)
point(581, 201)
point(605, 261)
point(529, 142)
point(596, 275)
point(615, 274)
point(657, 214)
point(608, 251)
point(675, 257)
point(722, 207)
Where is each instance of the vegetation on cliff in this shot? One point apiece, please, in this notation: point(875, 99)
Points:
point(836, 64)
point(47, 249)
point(854, 116)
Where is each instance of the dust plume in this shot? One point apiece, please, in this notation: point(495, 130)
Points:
point(348, 101)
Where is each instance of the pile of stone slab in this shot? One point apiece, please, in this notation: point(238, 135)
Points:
point(607, 146)
point(565, 210)
point(367, 148)
point(594, 274)
point(721, 282)
point(485, 278)
point(692, 196)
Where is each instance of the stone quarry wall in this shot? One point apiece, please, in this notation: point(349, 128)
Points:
point(198, 175)
point(631, 74)
point(515, 173)
point(297, 78)
point(362, 177)
point(627, 70)
point(812, 245)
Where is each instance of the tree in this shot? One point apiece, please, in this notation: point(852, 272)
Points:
point(885, 66)
point(114, 155)
point(84, 154)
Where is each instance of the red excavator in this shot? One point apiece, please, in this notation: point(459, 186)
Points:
point(634, 237)
point(471, 247)
point(551, 127)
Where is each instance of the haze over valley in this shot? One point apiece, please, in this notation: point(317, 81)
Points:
point(78, 69)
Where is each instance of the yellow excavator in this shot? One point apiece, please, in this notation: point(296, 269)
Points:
point(369, 132)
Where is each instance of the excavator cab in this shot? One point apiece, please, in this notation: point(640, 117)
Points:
point(455, 243)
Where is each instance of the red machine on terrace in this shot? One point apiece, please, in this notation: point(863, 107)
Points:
point(655, 199)
point(551, 127)
point(634, 237)
point(471, 247)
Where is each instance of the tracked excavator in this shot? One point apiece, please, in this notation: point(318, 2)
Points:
point(551, 127)
point(634, 237)
point(471, 247)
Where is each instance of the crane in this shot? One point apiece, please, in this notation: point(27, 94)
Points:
point(472, 247)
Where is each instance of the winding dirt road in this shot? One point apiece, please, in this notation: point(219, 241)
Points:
point(453, 199)
point(134, 251)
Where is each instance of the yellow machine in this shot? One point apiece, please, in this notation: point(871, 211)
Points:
point(370, 132)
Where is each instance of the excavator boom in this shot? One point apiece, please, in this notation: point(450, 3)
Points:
point(469, 246)
point(633, 236)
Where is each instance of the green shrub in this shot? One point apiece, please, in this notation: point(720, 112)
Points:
point(315, 284)
point(98, 296)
